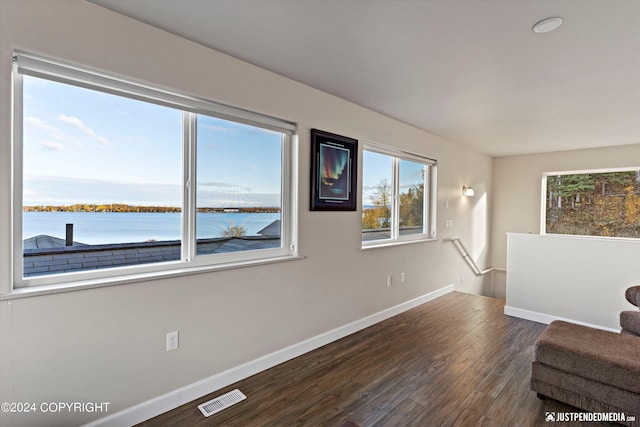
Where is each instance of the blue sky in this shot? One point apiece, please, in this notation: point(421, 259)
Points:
point(377, 167)
point(84, 146)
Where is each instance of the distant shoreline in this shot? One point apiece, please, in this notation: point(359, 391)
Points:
point(119, 207)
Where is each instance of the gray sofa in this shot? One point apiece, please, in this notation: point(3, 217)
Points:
point(594, 370)
point(630, 320)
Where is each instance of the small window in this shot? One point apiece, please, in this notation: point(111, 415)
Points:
point(397, 196)
point(115, 178)
point(605, 204)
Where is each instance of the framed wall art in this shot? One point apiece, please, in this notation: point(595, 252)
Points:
point(333, 172)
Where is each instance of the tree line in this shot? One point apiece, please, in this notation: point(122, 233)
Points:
point(411, 209)
point(119, 207)
point(601, 204)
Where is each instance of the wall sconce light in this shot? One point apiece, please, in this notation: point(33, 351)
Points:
point(467, 191)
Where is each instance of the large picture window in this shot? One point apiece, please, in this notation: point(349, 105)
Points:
point(398, 191)
point(114, 178)
point(597, 203)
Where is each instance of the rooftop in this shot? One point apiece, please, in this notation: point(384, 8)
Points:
point(51, 257)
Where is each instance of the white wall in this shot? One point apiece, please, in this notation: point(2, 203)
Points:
point(581, 279)
point(517, 185)
point(107, 344)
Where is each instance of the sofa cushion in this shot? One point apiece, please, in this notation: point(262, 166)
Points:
point(630, 322)
point(595, 354)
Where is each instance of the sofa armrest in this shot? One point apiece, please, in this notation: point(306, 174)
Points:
point(630, 322)
point(632, 295)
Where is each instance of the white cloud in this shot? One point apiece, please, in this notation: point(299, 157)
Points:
point(227, 200)
point(39, 124)
point(214, 127)
point(53, 146)
point(262, 131)
point(67, 190)
point(74, 121)
point(227, 185)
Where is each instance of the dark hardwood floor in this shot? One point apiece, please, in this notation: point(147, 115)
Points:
point(455, 361)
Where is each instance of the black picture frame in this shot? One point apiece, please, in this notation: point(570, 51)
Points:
point(333, 172)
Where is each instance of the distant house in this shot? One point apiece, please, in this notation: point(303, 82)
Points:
point(271, 230)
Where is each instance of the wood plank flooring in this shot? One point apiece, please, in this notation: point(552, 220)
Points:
point(455, 361)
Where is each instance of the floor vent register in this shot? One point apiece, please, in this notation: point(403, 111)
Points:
point(221, 402)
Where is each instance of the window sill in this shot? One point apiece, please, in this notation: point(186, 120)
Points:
point(32, 291)
point(395, 243)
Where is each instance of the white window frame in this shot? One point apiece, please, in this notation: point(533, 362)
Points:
point(543, 198)
point(37, 66)
point(430, 199)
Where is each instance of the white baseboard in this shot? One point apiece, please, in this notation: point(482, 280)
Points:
point(548, 318)
point(173, 399)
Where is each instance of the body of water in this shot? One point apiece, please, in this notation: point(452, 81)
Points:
point(96, 228)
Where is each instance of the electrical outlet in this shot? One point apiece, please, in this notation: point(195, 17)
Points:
point(388, 281)
point(402, 277)
point(172, 340)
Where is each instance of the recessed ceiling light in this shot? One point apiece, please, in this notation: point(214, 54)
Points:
point(547, 25)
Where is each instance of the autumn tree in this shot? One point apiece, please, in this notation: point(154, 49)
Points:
point(380, 215)
point(411, 209)
point(234, 231)
point(412, 206)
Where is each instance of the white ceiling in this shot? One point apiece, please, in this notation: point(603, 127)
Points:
point(471, 71)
